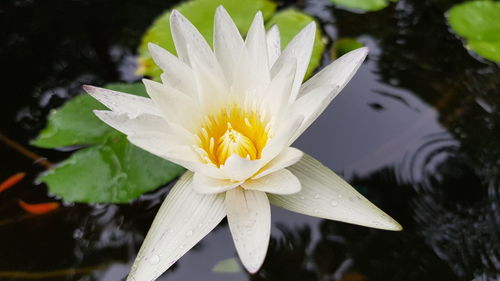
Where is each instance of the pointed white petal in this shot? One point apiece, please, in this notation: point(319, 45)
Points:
point(184, 218)
point(176, 106)
point(280, 182)
point(185, 34)
point(273, 44)
point(238, 168)
point(287, 157)
point(320, 90)
point(338, 73)
point(208, 185)
point(300, 48)
point(326, 195)
point(210, 82)
point(277, 95)
point(249, 218)
point(312, 105)
point(256, 45)
point(123, 103)
point(227, 42)
point(176, 73)
point(127, 125)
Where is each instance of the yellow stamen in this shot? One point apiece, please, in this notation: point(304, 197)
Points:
point(233, 130)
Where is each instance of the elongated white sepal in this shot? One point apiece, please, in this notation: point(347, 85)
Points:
point(249, 218)
point(338, 73)
point(326, 195)
point(184, 218)
point(131, 105)
point(139, 124)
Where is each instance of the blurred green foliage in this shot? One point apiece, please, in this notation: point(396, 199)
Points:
point(478, 22)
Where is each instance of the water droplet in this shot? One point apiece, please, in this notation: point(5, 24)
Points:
point(154, 259)
point(316, 196)
point(189, 233)
point(339, 196)
point(334, 203)
point(315, 211)
point(302, 197)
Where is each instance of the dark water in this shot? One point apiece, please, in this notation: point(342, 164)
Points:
point(417, 131)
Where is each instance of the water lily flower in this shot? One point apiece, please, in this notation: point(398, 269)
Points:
point(229, 116)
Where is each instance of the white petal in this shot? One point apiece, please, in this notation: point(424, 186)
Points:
point(273, 44)
point(238, 168)
point(227, 42)
point(256, 46)
point(175, 105)
point(160, 144)
point(300, 48)
point(165, 146)
point(210, 82)
point(281, 138)
point(123, 103)
point(208, 185)
point(280, 182)
point(185, 34)
point(287, 157)
point(176, 73)
point(338, 73)
point(127, 125)
point(278, 93)
point(249, 218)
point(312, 105)
point(184, 218)
point(320, 90)
point(326, 195)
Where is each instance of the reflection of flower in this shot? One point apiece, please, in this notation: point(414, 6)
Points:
point(229, 117)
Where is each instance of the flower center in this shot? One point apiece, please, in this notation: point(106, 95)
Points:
point(232, 130)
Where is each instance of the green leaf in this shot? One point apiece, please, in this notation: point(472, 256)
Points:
point(114, 172)
point(363, 5)
point(344, 46)
point(290, 22)
point(201, 14)
point(75, 124)
point(111, 169)
point(227, 266)
point(478, 22)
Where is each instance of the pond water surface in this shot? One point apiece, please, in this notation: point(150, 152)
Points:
point(417, 131)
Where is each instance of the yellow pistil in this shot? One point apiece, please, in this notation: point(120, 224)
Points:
point(233, 130)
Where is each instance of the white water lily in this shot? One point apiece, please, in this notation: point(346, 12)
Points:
point(229, 116)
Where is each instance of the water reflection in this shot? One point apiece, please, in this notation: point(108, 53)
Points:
point(417, 132)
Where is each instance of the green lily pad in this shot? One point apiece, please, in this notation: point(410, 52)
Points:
point(75, 124)
point(110, 169)
point(344, 46)
point(114, 172)
point(290, 22)
point(227, 266)
point(201, 14)
point(478, 22)
point(363, 5)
